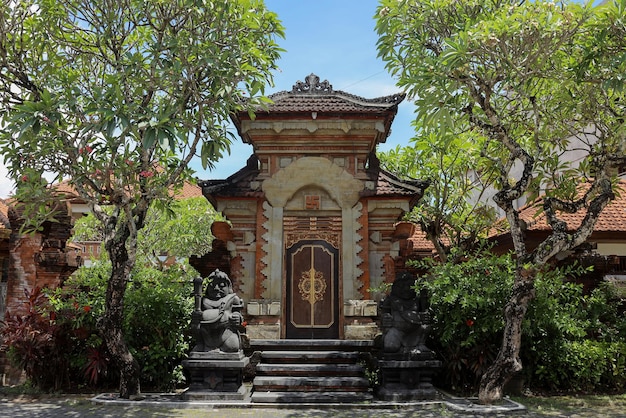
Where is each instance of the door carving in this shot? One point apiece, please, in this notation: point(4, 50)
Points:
point(312, 290)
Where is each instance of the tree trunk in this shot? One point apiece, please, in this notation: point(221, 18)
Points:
point(112, 322)
point(507, 362)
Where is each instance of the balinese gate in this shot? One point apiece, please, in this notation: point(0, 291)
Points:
point(312, 302)
point(313, 214)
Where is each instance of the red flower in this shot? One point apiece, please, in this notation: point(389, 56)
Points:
point(24, 178)
point(469, 322)
point(87, 308)
point(86, 150)
point(146, 174)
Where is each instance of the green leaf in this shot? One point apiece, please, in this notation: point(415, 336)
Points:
point(149, 137)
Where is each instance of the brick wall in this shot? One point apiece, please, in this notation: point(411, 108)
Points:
point(40, 259)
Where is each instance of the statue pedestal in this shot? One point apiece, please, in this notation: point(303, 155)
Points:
point(215, 375)
point(407, 380)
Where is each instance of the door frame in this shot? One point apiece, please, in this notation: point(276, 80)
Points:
point(336, 283)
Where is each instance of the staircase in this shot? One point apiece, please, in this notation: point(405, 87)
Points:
point(311, 371)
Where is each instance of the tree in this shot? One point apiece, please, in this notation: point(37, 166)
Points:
point(530, 82)
point(179, 232)
point(119, 97)
point(453, 222)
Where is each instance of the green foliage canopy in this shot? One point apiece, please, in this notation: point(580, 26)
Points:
point(118, 97)
point(537, 86)
point(182, 231)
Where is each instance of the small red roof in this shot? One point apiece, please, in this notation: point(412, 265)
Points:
point(611, 219)
point(420, 243)
point(188, 190)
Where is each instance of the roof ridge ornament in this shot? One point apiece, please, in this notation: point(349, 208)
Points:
point(312, 85)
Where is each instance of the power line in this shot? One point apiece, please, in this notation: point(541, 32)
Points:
point(361, 80)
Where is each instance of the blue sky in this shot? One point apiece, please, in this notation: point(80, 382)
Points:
point(336, 40)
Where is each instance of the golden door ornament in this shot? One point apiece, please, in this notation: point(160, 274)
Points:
point(312, 285)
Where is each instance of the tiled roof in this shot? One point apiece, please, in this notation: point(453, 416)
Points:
point(240, 184)
point(421, 244)
point(336, 102)
point(389, 185)
point(188, 190)
point(237, 185)
point(315, 96)
point(611, 219)
point(66, 188)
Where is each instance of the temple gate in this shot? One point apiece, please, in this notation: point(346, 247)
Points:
point(313, 218)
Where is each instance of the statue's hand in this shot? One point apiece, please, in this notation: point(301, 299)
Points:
point(235, 319)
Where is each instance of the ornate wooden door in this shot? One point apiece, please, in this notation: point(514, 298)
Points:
point(312, 302)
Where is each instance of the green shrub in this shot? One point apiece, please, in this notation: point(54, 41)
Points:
point(158, 323)
point(467, 300)
point(56, 341)
point(571, 341)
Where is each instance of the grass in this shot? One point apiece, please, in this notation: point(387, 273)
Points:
point(582, 406)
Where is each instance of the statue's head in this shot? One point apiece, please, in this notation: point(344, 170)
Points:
point(219, 285)
point(403, 286)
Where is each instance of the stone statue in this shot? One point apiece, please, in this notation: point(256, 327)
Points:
point(406, 366)
point(215, 365)
point(218, 328)
point(405, 320)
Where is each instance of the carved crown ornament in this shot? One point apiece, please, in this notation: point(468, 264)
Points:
point(312, 84)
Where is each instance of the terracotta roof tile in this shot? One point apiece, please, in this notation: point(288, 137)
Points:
point(337, 102)
point(388, 184)
point(611, 219)
point(420, 242)
point(188, 190)
point(314, 95)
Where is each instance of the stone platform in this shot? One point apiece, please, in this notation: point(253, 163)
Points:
point(449, 405)
point(215, 376)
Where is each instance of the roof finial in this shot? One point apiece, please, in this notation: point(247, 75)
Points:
point(312, 84)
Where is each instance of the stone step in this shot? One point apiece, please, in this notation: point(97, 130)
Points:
point(310, 356)
point(309, 369)
point(311, 345)
point(311, 384)
point(311, 397)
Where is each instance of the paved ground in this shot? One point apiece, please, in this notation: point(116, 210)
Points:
point(22, 407)
point(87, 409)
point(84, 406)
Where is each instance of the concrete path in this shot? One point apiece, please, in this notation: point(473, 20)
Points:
point(154, 406)
point(43, 409)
